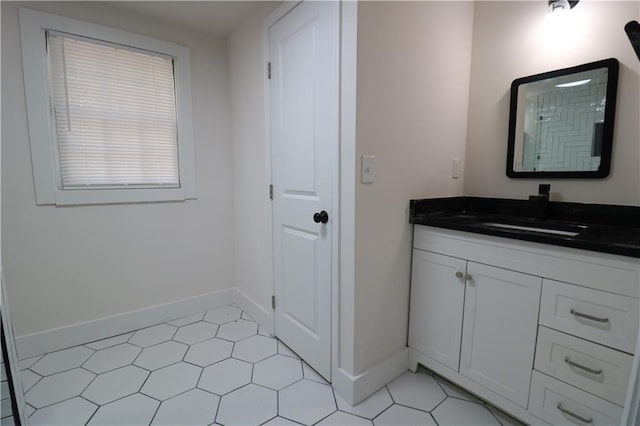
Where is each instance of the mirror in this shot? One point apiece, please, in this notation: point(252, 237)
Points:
point(561, 122)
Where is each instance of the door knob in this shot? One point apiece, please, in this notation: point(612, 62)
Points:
point(322, 217)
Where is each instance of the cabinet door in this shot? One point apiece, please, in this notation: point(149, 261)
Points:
point(437, 298)
point(499, 330)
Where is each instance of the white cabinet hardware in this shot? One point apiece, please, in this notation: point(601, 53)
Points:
point(587, 316)
point(574, 415)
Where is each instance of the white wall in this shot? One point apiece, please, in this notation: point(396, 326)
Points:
point(412, 100)
point(75, 264)
point(251, 161)
point(513, 39)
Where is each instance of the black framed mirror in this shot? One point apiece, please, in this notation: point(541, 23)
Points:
point(561, 122)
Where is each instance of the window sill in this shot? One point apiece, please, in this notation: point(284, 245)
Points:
point(117, 196)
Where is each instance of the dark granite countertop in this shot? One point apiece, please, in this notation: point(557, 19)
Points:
point(595, 227)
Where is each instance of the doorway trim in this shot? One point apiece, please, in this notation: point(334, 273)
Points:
point(343, 291)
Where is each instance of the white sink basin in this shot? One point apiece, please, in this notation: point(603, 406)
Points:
point(532, 229)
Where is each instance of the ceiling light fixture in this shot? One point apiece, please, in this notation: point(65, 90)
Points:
point(633, 32)
point(561, 5)
point(574, 83)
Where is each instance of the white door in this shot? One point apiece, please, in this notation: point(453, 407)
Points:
point(303, 90)
point(499, 330)
point(437, 300)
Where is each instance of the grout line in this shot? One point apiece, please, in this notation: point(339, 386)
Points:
point(185, 353)
point(95, 376)
point(479, 402)
point(110, 402)
point(199, 376)
point(35, 383)
point(441, 380)
point(494, 416)
point(133, 362)
point(155, 413)
point(63, 371)
point(39, 357)
point(267, 387)
point(31, 406)
point(144, 382)
point(357, 415)
point(437, 405)
point(132, 344)
point(383, 411)
point(291, 420)
point(149, 396)
point(277, 402)
point(58, 402)
point(325, 417)
point(199, 366)
point(207, 391)
point(174, 331)
point(94, 411)
point(215, 416)
point(107, 338)
point(264, 423)
point(390, 394)
point(440, 385)
point(89, 401)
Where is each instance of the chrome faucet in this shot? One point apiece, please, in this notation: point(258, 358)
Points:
point(540, 202)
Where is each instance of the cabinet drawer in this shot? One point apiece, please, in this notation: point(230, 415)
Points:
point(602, 317)
point(597, 369)
point(559, 403)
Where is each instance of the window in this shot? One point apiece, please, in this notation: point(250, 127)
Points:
point(109, 113)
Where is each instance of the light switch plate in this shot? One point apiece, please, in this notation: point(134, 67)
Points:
point(367, 168)
point(457, 168)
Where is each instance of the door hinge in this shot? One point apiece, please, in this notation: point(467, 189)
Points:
point(271, 192)
point(269, 70)
point(273, 302)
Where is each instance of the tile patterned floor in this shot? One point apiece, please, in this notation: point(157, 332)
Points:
point(219, 367)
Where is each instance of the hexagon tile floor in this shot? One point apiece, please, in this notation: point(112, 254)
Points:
point(219, 367)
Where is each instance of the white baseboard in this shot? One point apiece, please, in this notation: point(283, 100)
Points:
point(59, 338)
point(258, 313)
point(355, 389)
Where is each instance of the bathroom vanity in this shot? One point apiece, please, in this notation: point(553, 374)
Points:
point(538, 316)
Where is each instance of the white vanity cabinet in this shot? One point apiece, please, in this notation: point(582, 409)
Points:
point(545, 333)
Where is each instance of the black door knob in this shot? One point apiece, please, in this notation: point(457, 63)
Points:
point(323, 217)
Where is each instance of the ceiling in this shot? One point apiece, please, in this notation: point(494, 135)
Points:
point(217, 18)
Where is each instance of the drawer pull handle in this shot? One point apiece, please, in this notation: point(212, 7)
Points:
point(574, 415)
point(587, 316)
point(581, 367)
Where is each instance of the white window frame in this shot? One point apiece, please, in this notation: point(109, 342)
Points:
point(33, 25)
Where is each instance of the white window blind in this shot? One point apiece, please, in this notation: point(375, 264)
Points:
point(115, 114)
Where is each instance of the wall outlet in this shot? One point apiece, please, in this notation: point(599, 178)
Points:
point(456, 171)
point(367, 168)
